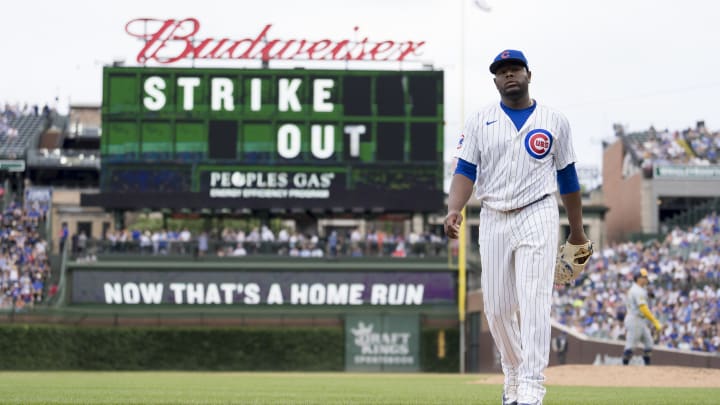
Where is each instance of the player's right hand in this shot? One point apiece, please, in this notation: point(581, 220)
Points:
point(453, 220)
point(658, 326)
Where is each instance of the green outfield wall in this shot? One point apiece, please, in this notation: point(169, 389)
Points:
point(303, 315)
point(43, 347)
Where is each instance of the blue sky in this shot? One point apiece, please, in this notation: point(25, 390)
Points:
point(637, 63)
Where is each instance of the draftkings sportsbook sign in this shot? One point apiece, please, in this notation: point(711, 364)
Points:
point(382, 343)
point(262, 288)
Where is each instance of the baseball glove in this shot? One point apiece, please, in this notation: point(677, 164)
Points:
point(656, 336)
point(571, 261)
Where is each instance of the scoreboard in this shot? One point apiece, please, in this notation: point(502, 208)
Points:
point(271, 139)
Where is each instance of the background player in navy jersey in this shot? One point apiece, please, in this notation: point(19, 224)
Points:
point(637, 319)
point(518, 153)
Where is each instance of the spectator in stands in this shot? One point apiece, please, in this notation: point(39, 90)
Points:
point(253, 240)
point(146, 243)
point(356, 251)
point(224, 241)
point(315, 251)
point(203, 244)
point(399, 249)
point(333, 244)
point(155, 238)
point(239, 250)
point(294, 241)
point(240, 236)
point(283, 235)
point(185, 238)
point(82, 243)
point(38, 286)
point(266, 235)
point(24, 264)
point(164, 242)
point(35, 214)
point(305, 250)
point(64, 233)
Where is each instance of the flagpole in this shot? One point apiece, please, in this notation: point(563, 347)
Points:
point(462, 240)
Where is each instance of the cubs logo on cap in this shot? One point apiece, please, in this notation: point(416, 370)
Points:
point(538, 143)
point(506, 56)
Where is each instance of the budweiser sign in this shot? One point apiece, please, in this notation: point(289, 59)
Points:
point(169, 41)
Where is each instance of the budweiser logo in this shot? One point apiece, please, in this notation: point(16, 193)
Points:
point(169, 41)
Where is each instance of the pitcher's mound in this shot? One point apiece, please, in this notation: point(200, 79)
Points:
point(626, 376)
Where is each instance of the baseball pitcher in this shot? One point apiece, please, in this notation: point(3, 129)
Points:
point(518, 153)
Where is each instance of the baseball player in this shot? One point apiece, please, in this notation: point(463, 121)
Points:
point(638, 313)
point(517, 152)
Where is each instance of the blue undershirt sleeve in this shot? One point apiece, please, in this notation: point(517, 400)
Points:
point(467, 169)
point(567, 179)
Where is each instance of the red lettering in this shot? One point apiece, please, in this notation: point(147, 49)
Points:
point(265, 52)
point(379, 48)
point(281, 53)
point(318, 46)
point(200, 47)
point(256, 41)
point(170, 40)
point(232, 50)
point(340, 45)
point(162, 37)
point(150, 39)
point(360, 55)
point(412, 48)
point(542, 144)
point(185, 41)
point(214, 53)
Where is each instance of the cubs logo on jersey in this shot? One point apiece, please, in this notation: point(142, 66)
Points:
point(460, 141)
point(538, 143)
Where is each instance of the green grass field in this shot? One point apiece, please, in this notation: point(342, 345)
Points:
point(298, 388)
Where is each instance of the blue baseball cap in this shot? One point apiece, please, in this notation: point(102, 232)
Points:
point(508, 55)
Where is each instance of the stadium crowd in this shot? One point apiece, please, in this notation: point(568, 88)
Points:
point(704, 143)
point(7, 114)
point(684, 274)
point(10, 112)
point(262, 240)
point(693, 146)
point(24, 263)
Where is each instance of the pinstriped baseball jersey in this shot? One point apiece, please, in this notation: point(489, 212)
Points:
point(515, 167)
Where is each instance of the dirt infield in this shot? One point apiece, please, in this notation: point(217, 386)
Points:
point(629, 376)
